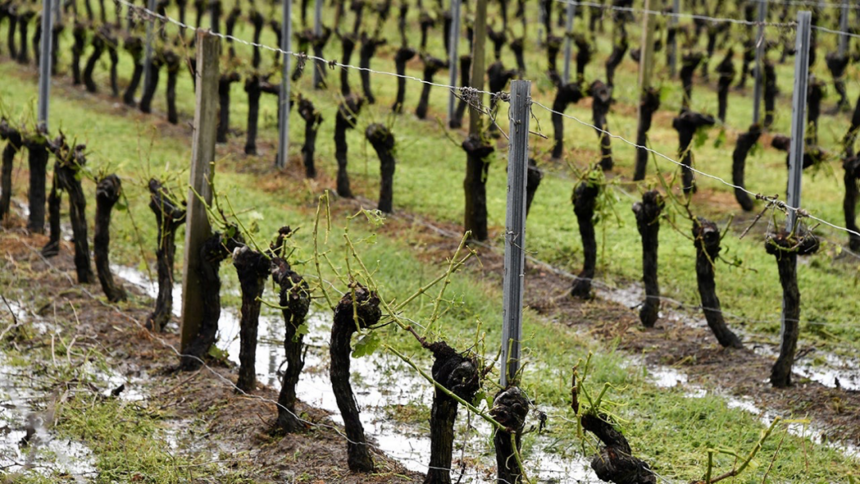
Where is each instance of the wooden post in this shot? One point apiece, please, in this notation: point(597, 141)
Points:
point(645, 68)
point(474, 184)
point(515, 231)
point(570, 11)
point(147, 56)
point(673, 45)
point(477, 76)
point(197, 228)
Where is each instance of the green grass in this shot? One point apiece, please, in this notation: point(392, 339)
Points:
point(666, 428)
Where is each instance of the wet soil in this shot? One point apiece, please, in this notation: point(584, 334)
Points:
point(235, 427)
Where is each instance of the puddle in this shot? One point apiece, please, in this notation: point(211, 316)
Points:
point(835, 372)
point(826, 369)
point(386, 389)
point(45, 454)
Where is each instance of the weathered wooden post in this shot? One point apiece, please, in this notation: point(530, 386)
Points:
point(645, 68)
point(202, 155)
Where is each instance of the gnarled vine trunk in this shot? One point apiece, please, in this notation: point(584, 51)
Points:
point(404, 54)
point(313, 119)
point(475, 185)
point(584, 202)
point(432, 65)
point(252, 87)
point(739, 156)
point(347, 113)
point(510, 408)
point(726, 71)
point(706, 236)
point(224, 83)
point(648, 105)
point(686, 125)
point(361, 302)
point(601, 96)
point(169, 216)
point(108, 191)
point(295, 302)
point(134, 46)
point(37, 159)
point(14, 143)
point(253, 268)
point(786, 246)
point(647, 214)
point(382, 140)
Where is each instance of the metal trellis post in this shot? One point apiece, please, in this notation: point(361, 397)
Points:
point(318, 65)
point(45, 65)
point(453, 59)
point(284, 120)
point(759, 61)
point(515, 230)
point(798, 115)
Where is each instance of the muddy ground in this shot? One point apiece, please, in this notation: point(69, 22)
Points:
point(237, 429)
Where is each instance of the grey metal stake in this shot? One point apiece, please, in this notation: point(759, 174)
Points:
point(515, 230)
point(571, 11)
point(843, 27)
point(45, 65)
point(673, 46)
point(284, 120)
point(798, 116)
point(147, 59)
point(317, 33)
point(57, 8)
point(759, 56)
point(453, 59)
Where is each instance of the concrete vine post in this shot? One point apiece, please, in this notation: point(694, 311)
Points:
point(202, 154)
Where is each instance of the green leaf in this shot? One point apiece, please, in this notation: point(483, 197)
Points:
point(254, 227)
point(366, 345)
point(701, 138)
point(217, 353)
point(301, 331)
point(721, 139)
point(121, 206)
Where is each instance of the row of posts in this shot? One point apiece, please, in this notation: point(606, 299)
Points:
point(203, 149)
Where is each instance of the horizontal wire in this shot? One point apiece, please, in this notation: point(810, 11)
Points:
point(305, 56)
point(801, 212)
point(677, 15)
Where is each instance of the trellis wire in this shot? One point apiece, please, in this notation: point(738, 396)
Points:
point(218, 375)
point(302, 56)
point(801, 212)
point(677, 15)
